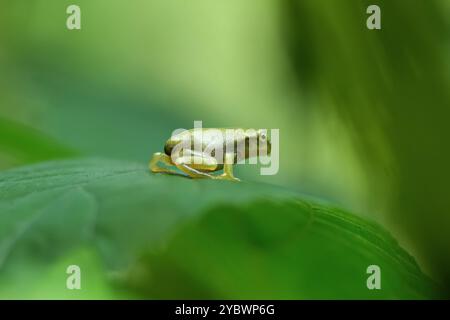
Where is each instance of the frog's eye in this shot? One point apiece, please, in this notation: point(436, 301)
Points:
point(263, 136)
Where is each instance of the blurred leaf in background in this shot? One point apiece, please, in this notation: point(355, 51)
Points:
point(391, 90)
point(22, 145)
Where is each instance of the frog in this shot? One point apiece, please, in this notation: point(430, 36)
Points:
point(196, 164)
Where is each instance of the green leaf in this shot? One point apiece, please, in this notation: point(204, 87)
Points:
point(160, 236)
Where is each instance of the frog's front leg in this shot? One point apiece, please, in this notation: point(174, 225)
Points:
point(228, 169)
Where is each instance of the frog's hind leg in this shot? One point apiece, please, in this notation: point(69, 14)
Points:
point(196, 167)
point(194, 173)
point(161, 158)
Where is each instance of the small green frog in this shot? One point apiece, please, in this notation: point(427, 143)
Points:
point(200, 164)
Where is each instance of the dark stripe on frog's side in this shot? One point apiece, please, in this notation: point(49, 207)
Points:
point(168, 147)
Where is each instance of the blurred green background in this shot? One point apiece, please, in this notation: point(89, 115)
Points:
point(363, 114)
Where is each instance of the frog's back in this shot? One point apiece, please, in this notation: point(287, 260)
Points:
point(208, 137)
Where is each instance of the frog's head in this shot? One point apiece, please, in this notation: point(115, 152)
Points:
point(264, 144)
